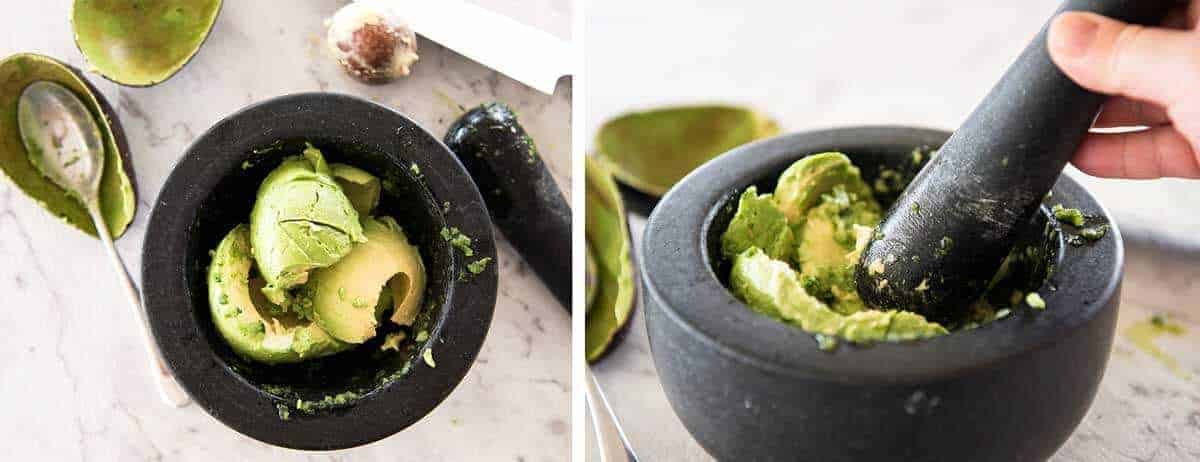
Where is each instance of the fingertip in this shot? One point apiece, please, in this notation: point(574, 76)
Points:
point(1071, 35)
point(1144, 154)
point(1098, 156)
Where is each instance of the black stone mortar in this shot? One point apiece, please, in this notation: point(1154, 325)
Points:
point(748, 387)
point(212, 189)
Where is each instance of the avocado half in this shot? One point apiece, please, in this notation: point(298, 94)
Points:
point(362, 188)
point(141, 43)
point(118, 201)
point(607, 233)
point(301, 221)
point(652, 150)
point(346, 294)
point(253, 326)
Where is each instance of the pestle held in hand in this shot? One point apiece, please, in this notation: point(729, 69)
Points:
point(521, 195)
point(945, 237)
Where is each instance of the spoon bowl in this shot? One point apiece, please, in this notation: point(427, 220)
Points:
point(62, 139)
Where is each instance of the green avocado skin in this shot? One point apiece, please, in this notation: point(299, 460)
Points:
point(118, 201)
point(251, 325)
point(301, 221)
point(143, 42)
point(794, 253)
point(607, 233)
point(654, 149)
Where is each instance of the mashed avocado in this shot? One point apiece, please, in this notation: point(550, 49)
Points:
point(794, 253)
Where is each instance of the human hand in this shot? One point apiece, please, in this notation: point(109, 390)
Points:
point(1153, 75)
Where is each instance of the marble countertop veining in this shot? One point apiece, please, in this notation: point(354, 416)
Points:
point(920, 62)
point(73, 384)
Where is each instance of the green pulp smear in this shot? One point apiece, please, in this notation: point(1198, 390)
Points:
point(794, 253)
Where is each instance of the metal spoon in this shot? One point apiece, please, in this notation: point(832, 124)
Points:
point(614, 445)
point(64, 144)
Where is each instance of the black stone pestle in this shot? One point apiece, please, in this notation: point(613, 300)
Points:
point(945, 237)
point(521, 195)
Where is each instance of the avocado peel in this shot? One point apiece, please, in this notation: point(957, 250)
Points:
point(652, 150)
point(141, 43)
point(118, 201)
point(607, 233)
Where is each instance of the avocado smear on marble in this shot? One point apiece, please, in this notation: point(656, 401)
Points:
point(794, 252)
point(312, 274)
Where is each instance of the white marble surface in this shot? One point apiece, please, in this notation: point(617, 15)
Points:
point(72, 381)
point(919, 62)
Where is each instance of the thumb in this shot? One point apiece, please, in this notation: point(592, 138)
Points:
point(1108, 56)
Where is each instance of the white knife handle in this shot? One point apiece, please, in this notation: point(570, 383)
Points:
point(525, 54)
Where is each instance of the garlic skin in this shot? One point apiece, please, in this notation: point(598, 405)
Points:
point(371, 41)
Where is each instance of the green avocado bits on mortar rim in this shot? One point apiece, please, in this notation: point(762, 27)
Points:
point(143, 42)
point(313, 273)
point(652, 150)
point(118, 201)
point(794, 251)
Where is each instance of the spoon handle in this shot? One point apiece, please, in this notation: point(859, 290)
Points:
point(170, 390)
point(614, 446)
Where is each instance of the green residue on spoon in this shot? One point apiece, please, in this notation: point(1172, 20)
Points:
point(652, 150)
point(1144, 333)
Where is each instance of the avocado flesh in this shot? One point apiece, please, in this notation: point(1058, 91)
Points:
point(255, 328)
point(831, 240)
point(144, 42)
point(301, 221)
point(591, 280)
point(652, 150)
point(758, 223)
point(360, 187)
point(118, 201)
point(831, 214)
point(607, 233)
point(344, 295)
point(802, 184)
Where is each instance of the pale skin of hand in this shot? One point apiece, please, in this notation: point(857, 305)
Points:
point(1153, 75)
